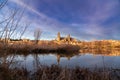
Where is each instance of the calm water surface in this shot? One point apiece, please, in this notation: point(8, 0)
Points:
point(87, 60)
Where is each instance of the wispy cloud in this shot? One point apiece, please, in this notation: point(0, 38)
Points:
point(102, 10)
point(83, 19)
point(21, 3)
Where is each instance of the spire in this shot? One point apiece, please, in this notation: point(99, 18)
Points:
point(68, 37)
point(58, 36)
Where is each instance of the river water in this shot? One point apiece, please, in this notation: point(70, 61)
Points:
point(86, 60)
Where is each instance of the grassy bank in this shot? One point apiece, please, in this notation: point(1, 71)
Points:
point(39, 48)
point(56, 72)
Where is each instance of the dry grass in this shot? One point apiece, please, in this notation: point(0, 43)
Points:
point(56, 72)
point(39, 48)
point(14, 74)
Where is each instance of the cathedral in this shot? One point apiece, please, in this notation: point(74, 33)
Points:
point(65, 39)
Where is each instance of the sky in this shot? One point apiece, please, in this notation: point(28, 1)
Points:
point(82, 19)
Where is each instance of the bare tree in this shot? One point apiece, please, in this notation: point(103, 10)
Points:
point(13, 26)
point(37, 34)
point(3, 3)
point(24, 29)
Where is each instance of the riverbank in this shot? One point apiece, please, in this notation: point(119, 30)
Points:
point(57, 47)
point(39, 48)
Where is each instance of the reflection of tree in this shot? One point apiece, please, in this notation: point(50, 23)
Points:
point(36, 62)
point(4, 61)
point(103, 63)
point(7, 60)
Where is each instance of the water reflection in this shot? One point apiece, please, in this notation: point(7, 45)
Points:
point(104, 52)
point(86, 58)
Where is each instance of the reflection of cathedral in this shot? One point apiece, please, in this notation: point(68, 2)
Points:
point(58, 56)
point(58, 59)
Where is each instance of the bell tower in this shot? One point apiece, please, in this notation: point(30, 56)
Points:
point(68, 37)
point(58, 36)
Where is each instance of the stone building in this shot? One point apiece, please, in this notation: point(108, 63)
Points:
point(65, 39)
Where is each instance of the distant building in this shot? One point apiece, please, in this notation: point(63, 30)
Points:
point(25, 40)
point(65, 39)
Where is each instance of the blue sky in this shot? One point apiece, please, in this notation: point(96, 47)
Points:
point(83, 19)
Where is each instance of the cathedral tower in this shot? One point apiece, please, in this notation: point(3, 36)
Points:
point(58, 36)
point(68, 37)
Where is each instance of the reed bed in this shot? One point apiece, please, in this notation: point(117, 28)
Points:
point(55, 72)
point(40, 48)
